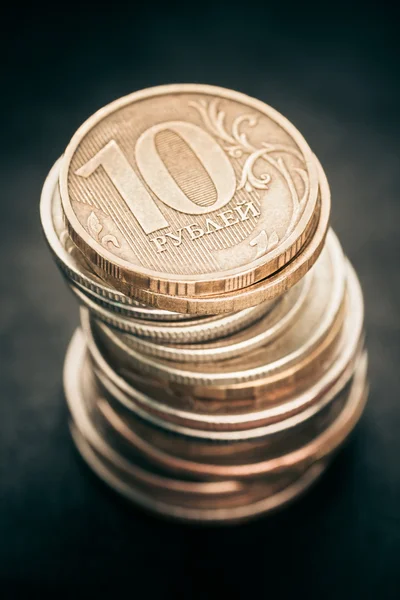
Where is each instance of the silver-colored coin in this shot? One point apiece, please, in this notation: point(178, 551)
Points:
point(74, 266)
point(313, 323)
point(125, 481)
point(218, 418)
point(219, 514)
point(252, 444)
point(190, 331)
point(251, 336)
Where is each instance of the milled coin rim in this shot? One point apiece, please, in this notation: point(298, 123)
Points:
point(266, 289)
point(191, 285)
point(204, 329)
point(217, 515)
point(95, 288)
point(174, 373)
point(225, 427)
point(266, 327)
point(317, 449)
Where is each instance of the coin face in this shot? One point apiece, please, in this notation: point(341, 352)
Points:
point(189, 190)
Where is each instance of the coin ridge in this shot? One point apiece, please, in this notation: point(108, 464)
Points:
point(178, 375)
point(267, 289)
point(282, 462)
point(116, 268)
point(204, 330)
point(66, 262)
point(344, 359)
point(204, 353)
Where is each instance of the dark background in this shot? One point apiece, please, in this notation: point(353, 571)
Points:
point(332, 69)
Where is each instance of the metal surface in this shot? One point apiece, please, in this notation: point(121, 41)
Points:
point(234, 403)
point(211, 165)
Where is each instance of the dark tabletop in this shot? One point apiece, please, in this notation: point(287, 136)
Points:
point(333, 72)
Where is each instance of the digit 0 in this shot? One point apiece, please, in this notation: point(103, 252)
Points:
point(157, 176)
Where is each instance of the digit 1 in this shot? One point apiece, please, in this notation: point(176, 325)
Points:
point(128, 184)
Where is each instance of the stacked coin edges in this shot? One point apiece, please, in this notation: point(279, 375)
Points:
point(215, 418)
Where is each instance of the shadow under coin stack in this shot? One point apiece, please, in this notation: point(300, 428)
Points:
point(220, 360)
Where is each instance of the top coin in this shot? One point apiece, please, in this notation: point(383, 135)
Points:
point(188, 190)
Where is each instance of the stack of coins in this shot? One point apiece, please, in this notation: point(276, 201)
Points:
point(220, 360)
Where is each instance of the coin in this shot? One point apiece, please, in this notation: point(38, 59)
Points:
point(266, 289)
point(188, 190)
point(220, 417)
point(209, 502)
point(220, 362)
point(278, 396)
point(83, 420)
point(73, 264)
point(193, 330)
point(248, 510)
point(316, 448)
point(82, 399)
point(253, 442)
point(84, 410)
point(313, 323)
point(251, 334)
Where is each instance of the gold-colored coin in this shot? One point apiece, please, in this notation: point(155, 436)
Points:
point(218, 420)
point(188, 190)
point(261, 329)
point(219, 513)
point(266, 289)
point(314, 322)
point(232, 492)
point(197, 329)
point(74, 266)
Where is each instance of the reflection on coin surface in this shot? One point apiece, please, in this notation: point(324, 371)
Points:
point(314, 321)
point(220, 362)
point(219, 419)
point(73, 264)
point(188, 190)
point(251, 333)
point(265, 289)
point(195, 330)
point(240, 491)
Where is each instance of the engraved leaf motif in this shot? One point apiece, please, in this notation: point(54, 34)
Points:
point(237, 145)
point(263, 244)
point(260, 242)
point(110, 239)
point(248, 179)
point(273, 240)
point(94, 225)
point(66, 241)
